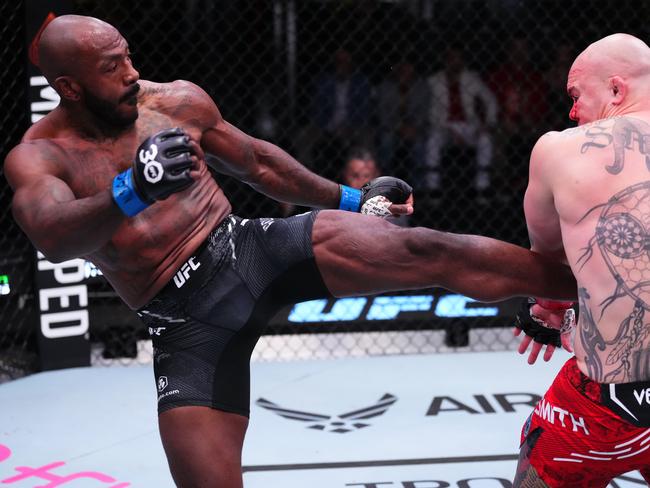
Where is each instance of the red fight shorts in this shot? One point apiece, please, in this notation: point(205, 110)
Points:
point(582, 433)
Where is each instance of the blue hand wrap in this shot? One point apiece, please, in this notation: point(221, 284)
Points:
point(350, 199)
point(125, 195)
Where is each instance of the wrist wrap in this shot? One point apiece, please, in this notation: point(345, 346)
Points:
point(350, 198)
point(125, 195)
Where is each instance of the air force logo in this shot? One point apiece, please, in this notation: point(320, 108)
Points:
point(340, 424)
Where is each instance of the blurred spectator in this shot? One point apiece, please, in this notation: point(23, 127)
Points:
point(266, 124)
point(522, 95)
point(359, 168)
point(556, 78)
point(339, 114)
point(462, 114)
point(403, 111)
point(520, 89)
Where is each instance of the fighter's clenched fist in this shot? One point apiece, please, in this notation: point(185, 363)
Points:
point(161, 167)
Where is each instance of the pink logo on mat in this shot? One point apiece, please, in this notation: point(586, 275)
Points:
point(4, 453)
point(43, 473)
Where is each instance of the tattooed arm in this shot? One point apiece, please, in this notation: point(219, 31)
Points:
point(267, 168)
point(59, 225)
point(262, 165)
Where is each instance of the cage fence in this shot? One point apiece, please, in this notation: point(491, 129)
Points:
point(449, 95)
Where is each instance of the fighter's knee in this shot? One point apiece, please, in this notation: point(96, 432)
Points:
point(213, 472)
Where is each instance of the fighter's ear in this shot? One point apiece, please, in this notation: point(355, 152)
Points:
point(618, 89)
point(68, 88)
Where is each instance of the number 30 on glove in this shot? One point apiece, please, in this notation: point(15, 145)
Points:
point(161, 167)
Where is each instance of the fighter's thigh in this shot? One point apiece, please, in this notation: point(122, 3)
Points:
point(359, 254)
point(203, 446)
point(542, 461)
point(526, 475)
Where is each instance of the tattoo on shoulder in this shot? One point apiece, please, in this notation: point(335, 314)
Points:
point(49, 151)
point(182, 107)
point(155, 89)
point(622, 241)
point(184, 103)
point(583, 129)
point(625, 134)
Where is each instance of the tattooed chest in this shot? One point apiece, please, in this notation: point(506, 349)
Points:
point(91, 165)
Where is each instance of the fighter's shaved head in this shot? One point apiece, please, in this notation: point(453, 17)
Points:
point(611, 77)
point(87, 62)
point(616, 55)
point(67, 39)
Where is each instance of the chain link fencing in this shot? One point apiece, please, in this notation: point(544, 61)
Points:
point(449, 95)
point(18, 353)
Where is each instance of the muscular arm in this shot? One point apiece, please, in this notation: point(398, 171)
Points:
point(58, 224)
point(267, 168)
point(262, 165)
point(542, 218)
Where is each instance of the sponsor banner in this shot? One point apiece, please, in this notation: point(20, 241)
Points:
point(53, 472)
point(63, 337)
point(62, 294)
point(434, 421)
point(485, 472)
point(472, 473)
point(443, 420)
point(404, 307)
point(38, 13)
point(394, 407)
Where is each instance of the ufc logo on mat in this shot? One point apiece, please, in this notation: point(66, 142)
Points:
point(183, 274)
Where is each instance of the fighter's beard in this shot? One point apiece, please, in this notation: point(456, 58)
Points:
point(107, 113)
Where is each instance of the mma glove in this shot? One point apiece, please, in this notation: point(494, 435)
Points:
point(161, 167)
point(538, 329)
point(375, 197)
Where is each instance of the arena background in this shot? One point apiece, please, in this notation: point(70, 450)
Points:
point(266, 64)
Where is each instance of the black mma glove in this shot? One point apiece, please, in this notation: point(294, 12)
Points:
point(375, 196)
point(161, 167)
point(537, 329)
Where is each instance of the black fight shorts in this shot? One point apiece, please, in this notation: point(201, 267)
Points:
point(206, 321)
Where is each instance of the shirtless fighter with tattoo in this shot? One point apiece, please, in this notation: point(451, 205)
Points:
point(588, 200)
point(154, 220)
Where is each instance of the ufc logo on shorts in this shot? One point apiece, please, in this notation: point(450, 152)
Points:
point(153, 170)
point(183, 274)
